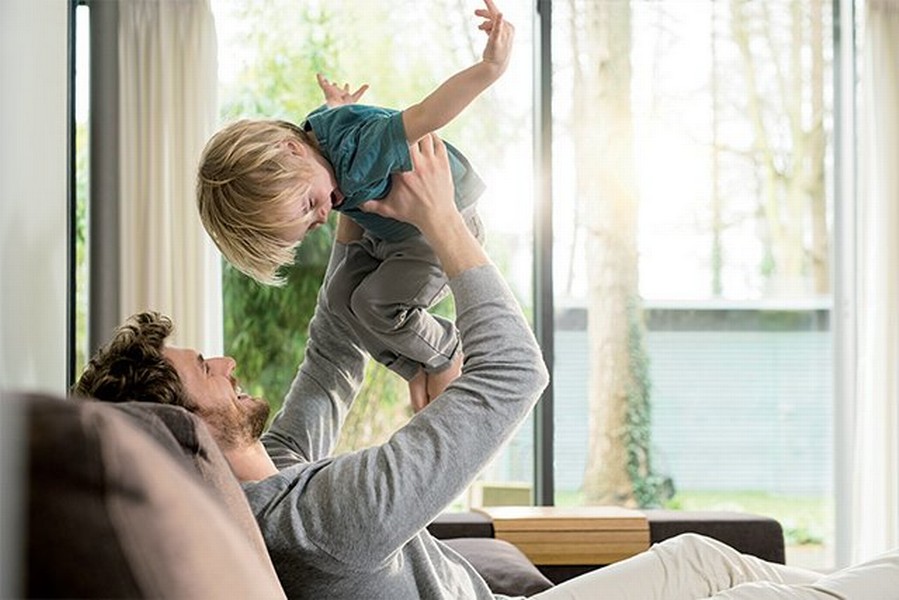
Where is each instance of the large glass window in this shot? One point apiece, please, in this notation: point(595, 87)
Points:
point(269, 53)
point(692, 206)
point(693, 212)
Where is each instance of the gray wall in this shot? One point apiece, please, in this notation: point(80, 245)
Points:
point(742, 400)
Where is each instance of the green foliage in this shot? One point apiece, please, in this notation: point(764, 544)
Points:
point(81, 233)
point(650, 488)
point(290, 42)
point(382, 404)
point(802, 536)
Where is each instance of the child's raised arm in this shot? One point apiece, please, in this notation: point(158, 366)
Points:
point(443, 104)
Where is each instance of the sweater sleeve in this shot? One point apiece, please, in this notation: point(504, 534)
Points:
point(360, 508)
point(320, 396)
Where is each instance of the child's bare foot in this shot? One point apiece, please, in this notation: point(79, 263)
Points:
point(437, 382)
point(418, 390)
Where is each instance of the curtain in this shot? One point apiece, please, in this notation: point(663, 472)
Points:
point(168, 109)
point(876, 473)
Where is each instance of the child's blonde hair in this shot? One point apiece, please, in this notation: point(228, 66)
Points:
point(244, 182)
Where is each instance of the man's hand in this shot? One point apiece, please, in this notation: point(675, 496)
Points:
point(423, 196)
point(336, 95)
point(499, 37)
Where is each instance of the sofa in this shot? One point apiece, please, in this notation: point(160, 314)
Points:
point(749, 533)
point(135, 500)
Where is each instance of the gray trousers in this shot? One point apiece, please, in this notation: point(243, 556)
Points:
point(383, 290)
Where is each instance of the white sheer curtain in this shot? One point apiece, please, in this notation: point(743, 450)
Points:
point(168, 109)
point(876, 481)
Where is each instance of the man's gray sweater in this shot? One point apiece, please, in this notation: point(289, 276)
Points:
point(353, 525)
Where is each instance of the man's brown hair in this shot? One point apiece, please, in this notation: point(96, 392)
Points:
point(132, 365)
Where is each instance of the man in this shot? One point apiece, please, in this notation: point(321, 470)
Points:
point(353, 526)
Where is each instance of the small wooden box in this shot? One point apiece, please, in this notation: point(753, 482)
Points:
point(582, 535)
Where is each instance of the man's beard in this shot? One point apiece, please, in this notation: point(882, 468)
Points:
point(257, 417)
point(237, 431)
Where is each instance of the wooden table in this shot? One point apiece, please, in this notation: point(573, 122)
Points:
point(583, 535)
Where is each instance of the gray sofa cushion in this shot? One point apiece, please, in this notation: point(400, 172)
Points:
point(188, 440)
point(503, 566)
point(112, 514)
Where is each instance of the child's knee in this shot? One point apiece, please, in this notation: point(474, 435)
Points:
point(376, 315)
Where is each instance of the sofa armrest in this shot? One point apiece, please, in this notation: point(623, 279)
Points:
point(112, 513)
point(748, 533)
point(461, 524)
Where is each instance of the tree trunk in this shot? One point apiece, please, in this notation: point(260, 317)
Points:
point(603, 133)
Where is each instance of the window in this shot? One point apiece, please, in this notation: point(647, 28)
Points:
point(692, 204)
point(269, 53)
point(694, 211)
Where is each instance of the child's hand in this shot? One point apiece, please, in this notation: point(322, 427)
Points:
point(500, 34)
point(336, 95)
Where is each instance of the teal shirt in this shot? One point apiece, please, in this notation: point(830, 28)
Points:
point(365, 145)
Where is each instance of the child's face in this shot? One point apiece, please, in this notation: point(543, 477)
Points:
point(309, 211)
